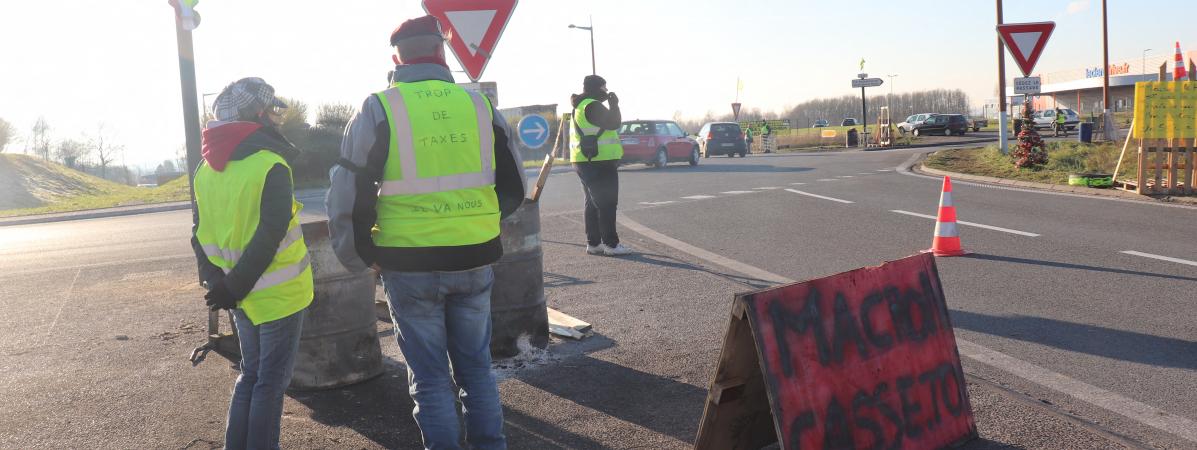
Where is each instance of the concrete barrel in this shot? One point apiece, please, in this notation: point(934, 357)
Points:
point(339, 345)
point(517, 306)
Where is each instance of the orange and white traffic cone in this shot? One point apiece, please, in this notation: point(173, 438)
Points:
point(947, 238)
point(1179, 73)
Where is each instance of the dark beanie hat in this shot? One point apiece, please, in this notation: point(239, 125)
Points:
point(420, 26)
point(592, 83)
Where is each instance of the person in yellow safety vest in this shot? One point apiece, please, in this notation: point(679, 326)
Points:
point(1059, 123)
point(597, 163)
point(251, 253)
point(427, 170)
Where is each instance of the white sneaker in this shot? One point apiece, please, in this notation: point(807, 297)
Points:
point(618, 250)
point(596, 250)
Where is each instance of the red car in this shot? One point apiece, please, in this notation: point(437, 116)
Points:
point(656, 143)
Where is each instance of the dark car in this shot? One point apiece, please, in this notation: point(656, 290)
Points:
point(821, 123)
point(849, 122)
point(656, 143)
point(945, 124)
point(722, 138)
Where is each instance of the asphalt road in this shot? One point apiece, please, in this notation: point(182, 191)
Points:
point(1050, 303)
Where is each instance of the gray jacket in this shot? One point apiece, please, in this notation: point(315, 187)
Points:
point(353, 196)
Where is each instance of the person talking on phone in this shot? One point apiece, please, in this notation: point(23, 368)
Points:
point(595, 151)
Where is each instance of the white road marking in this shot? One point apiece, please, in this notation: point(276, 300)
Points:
point(827, 179)
point(864, 173)
point(699, 197)
point(797, 184)
point(1110, 401)
point(1159, 257)
point(885, 170)
point(658, 203)
point(767, 188)
point(737, 192)
point(808, 194)
point(971, 224)
point(845, 176)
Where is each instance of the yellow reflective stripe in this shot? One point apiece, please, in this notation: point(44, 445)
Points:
point(609, 141)
point(232, 256)
point(411, 182)
point(282, 275)
point(589, 130)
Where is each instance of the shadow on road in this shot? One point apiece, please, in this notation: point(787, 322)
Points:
point(719, 168)
point(1040, 262)
point(674, 263)
point(1077, 337)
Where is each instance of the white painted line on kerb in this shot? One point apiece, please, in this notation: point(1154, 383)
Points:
point(1140, 412)
point(808, 194)
point(766, 188)
point(971, 224)
point(1110, 401)
point(699, 197)
point(1160, 257)
point(737, 192)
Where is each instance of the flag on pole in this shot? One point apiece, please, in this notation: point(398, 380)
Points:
point(861, 63)
point(739, 85)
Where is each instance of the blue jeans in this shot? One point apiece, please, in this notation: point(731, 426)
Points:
point(443, 317)
point(267, 360)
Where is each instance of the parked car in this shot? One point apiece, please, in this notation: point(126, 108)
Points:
point(656, 143)
point(912, 121)
point(945, 124)
point(722, 138)
point(821, 123)
point(848, 122)
point(1044, 119)
point(978, 124)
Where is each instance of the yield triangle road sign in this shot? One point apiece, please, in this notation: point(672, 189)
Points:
point(473, 28)
point(1026, 42)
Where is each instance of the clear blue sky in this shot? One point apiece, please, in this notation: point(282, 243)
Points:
point(81, 62)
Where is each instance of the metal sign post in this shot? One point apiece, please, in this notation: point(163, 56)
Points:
point(862, 82)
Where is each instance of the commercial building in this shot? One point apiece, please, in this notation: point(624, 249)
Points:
point(1081, 89)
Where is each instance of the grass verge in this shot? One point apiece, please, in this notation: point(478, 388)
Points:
point(1063, 158)
point(110, 196)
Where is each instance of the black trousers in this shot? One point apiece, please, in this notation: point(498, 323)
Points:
point(600, 183)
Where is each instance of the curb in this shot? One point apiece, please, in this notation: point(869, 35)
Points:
point(917, 166)
point(93, 214)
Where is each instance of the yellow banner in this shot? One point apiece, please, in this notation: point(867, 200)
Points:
point(1166, 110)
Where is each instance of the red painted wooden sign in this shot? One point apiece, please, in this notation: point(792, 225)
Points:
point(865, 359)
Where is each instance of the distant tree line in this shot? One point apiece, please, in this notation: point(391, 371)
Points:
point(834, 110)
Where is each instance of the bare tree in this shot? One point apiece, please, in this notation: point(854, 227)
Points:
point(334, 115)
point(41, 139)
point(72, 153)
point(105, 151)
point(8, 133)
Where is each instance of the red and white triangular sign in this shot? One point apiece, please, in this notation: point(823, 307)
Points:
point(473, 28)
point(1026, 42)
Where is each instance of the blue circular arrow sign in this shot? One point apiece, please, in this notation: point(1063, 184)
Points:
point(533, 131)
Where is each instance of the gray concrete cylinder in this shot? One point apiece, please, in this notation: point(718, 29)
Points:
point(517, 306)
point(339, 345)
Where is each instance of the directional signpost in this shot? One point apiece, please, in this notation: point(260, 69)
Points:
point(1027, 85)
point(863, 81)
point(534, 131)
point(473, 28)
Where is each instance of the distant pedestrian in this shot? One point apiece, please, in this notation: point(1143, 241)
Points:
point(766, 138)
point(1058, 124)
point(748, 139)
point(427, 171)
point(595, 150)
point(251, 253)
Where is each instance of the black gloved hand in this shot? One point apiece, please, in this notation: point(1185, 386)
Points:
point(219, 297)
point(612, 99)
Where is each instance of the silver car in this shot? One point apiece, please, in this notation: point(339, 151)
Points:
point(913, 121)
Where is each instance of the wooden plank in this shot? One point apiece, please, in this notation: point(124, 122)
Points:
point(1122, 155)
point(547, 167)
point(565, 320)
point(1172, 162)
point(564, 331)
point(1159, 167)
point(737, 414)
point(1141, 178)
point(1191, 170)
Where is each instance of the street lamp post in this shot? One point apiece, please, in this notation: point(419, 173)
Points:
point(590, 28)
point(1145, 60)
